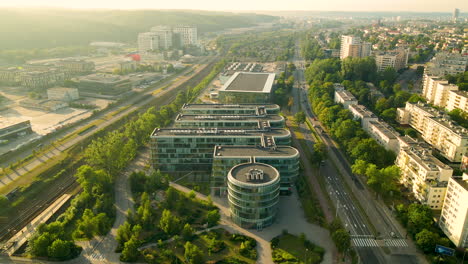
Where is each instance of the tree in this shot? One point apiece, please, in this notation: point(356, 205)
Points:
point(124, 233)
point(426, 240)
point(389, 115)
point(360, 167)
point(193, 254)
point(130, 252)
point(187, 232)
point(60, 249)
point(299, 118)
point(411, 132)
point(213, 217)
point(4, 203)
point(171, 197)
point(169, 223)
point(342, 240)
point(38, 246)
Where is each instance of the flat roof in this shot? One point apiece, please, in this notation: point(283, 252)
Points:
point(241, 173)
point(346, 95)
point(218, 132)
point(385, 129)
point(362, 110)
point(249, 82)
point(233, 118)
point(424, 158)
point(229, 106)
point(254, 151)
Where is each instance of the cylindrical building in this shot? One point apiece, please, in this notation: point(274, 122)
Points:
point(253, 194)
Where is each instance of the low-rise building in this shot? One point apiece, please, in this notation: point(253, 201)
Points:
point(8, 130)
point(345, 98)
point(43, 105)
point(385, 135)
point(457, 100)
point(77, 67)
point(247, 87)
point(63, 94)
point(42, 79)
point(424, 175)
point(454, 217)
point(436, 129)
point(361, 113)
point(104, 84)
point(230, 109)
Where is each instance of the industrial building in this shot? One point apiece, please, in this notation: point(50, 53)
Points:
point(253, 194)
point(248, 87)
point(8, 131)
point(105, 84)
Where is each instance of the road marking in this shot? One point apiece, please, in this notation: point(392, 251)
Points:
point(364, 242)
point(399, 242)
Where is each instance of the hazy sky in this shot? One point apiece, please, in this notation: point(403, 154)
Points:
point(325, 5)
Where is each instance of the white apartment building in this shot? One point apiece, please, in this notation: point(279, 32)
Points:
point(165, 36)
point(385, 135)
point(360, 112)
point(424, 175)
point(447, 63)
point(345, 98)
point(430, 83)
point(436, 129)
point(457, 100)
point(442, 93)
point(397, 59)
point(188, 35)
point(147, 42)
point(63, 94)
point(454, 217)
point(352, 46)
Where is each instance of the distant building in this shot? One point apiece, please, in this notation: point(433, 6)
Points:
point(454, 217)
point(188, 34)
point(77, 67)
point(63, 94)
point(148, 42)
point(104, 84)
point(165, 36)
point(10, 76)
point(446, 63)
point(42, 79)
point(9, 131)
point(43, 105)
point(396, 59)
point(352, 46)
point(431, 88)
point(249, 87)
point(456, 14)
point(239, 67)
point(457, 100)
point(128, 66)
point(345, 98)
point(259, 183)
point(436, 129)
point(424, 175)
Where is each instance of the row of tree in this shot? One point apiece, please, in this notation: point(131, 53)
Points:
point(284, 85)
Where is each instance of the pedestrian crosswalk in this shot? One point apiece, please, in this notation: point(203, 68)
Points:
point(364, 242)
point(395, 242)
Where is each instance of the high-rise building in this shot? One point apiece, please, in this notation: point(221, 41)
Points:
point(456, 14)
point(396, 59)
point(147, 42)
point(446, 63)
point(454, 217)
point(165, 36)
point(188, 34)
point(352, 46)
point(457, 100)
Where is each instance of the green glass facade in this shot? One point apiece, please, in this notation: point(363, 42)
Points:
point(278, 122)
point(231, 109)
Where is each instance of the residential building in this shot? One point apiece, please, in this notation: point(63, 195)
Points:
point(457, 100)
point(230, 109)
point(42, 79)
point(447, 63)
point(63, 94)
point(148, 42)
point(191, 150)
point(8, 130)
point(10, 76)
point(165, 36)
point(430, 89)
point(396, 59)
point(424, 175)
point(284, 158)
point(384, 134)
point(345, 98)
point(442, 94)
point(436, 129)
point(247, 87)
point(352, 46)
point(253, 194)
point(361, 113)
point(105, 84)
point(188, 34)
point(454, 217)
point(227, 121)
point(76, 67)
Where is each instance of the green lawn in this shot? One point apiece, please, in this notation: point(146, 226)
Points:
point(289, 248)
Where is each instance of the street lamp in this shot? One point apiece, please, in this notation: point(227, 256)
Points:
point(305, 255)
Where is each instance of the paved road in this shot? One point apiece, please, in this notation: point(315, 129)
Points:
point(133, 103)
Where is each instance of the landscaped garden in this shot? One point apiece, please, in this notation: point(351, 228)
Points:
point(288, 248)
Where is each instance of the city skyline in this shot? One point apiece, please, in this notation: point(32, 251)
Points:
point(262, 5)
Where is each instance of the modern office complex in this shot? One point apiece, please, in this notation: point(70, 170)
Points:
point(454, 217)
point(230, 109)
point(352, 46)
point(424, 175)
point(191, 150)
point(253, 194)
point(229, 121)
point(104, 84)
point(247, 87)
point(283, 158)
point(436, 129)
point(188, 35)
point(164, 35)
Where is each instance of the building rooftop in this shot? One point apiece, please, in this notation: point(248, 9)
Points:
point(254, 173)
point(218, 132)
point(250, 82)
point(461, 93)
point(104, 78)
point(61, 89)
point(385, 129)
point(346, 95)
point(362, 110)
point(254, 151)
point(229, 106)
point(450, 125)
point(253, 118)
point(424, 158)
point(462, 181)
